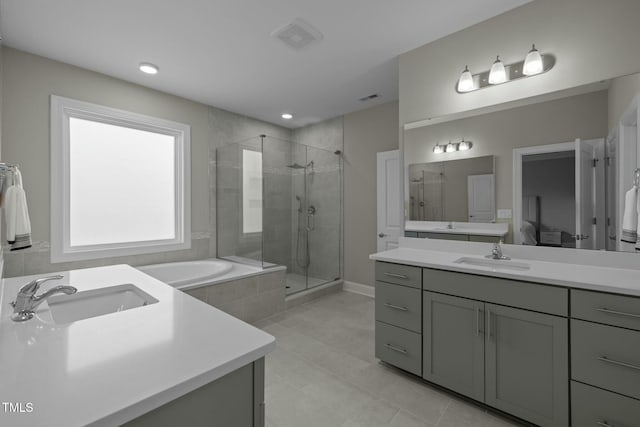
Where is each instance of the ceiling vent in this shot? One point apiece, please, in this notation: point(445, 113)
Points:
point(298, 34)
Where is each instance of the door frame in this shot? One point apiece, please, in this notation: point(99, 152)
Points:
point(518, 154)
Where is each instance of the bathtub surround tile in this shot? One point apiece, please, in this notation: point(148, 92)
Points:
point(315, 378)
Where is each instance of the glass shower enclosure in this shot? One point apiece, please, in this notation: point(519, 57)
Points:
point(280, 203)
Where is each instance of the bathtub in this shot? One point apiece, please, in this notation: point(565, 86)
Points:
point(194, 274)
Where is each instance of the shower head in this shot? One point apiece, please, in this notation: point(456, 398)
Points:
point(296, 166)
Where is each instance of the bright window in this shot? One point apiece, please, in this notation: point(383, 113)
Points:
point(251, 191)
point(120, 182)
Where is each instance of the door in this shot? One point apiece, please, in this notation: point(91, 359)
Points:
point(390, 216)
point(481, 196)
point(527, 365)
point(453, 343)
point(589, 197)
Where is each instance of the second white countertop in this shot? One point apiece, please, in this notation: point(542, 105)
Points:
point(107, 370)
point(471, 228)
point(579, 276)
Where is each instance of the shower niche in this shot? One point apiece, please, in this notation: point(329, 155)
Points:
point(280, 203)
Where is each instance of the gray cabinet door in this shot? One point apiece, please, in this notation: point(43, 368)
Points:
point(453, 343)
point(527, 365)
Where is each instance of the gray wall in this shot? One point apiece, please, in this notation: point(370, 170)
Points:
point(366, 133)
point(592, 40)
point(29, 80)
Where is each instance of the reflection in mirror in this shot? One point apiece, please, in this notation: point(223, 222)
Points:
point(455, 190)
point(548, 200)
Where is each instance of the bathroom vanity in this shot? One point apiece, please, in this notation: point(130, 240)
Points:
point(165, 359)
point(462, 231)
point(556, 344)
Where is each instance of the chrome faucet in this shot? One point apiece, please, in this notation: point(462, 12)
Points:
point(27, 301)
point(496, 252)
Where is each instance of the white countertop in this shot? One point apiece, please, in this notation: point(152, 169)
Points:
point(598, 278)
point(110, 369)
point(473, 228)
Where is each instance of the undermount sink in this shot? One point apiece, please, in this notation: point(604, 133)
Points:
point(98, 302)
point(495, 264)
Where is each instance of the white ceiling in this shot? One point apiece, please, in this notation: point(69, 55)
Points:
point(219, 52)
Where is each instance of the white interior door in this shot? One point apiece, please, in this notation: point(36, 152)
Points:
point(390, 216)
point(481, 197)
point(585, 194)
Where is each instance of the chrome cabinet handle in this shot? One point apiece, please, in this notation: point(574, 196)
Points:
point(489, 323)
point(618, 363)
point(618, 313)
point(396, 307)
point(604, 424)
point(398, 276)
point(479, 319)
point(394, 348)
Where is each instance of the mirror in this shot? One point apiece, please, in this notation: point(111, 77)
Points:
point(543, 150)
point(446, 191)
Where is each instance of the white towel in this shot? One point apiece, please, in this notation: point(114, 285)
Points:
point(630, 217)
point(17, 215)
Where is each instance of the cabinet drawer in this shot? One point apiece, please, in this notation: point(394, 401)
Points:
point(400, 274)
point(485, 239)
point(399, 347)
point(514, 293)
point(593, 407)
point(606, 357)
point(399, 306)
point(617, 310)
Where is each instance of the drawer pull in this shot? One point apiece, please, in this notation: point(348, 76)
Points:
point(618, 363)
point(397, 276)
point(604, 424)
point(618, 313)
point(395, 307)
point(394, 348)
point(479, 319)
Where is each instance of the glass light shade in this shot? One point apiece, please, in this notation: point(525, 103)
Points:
point(438, 149)
point(532, 63)
point(451, 148)
point(465, 83)
point(497, 74)
point(464, 145)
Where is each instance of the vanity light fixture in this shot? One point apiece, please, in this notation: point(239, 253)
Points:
point(464, 145)
point(497, 74)
point(532, 63)
point(535, 63)
point(438, 149)
point(287, 116)
point(148, 68)
point(465, 83)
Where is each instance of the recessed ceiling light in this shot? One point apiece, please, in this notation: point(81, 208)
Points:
point(287, 116)
point(148, 68)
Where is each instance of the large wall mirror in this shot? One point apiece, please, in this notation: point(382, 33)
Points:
point(562, 163)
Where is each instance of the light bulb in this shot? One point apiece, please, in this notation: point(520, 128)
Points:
point(451, 148)
point(532, 63)
point(497, 74)
point(464, 145)
point(438, 149)
point(465, 83)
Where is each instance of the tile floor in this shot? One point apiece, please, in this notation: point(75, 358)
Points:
point(323, 373)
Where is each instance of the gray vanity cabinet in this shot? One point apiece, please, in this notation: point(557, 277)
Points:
point(526, 364)
point(477, 344)
point(453, 343)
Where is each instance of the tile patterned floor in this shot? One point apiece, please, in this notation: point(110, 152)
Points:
point(323, 373)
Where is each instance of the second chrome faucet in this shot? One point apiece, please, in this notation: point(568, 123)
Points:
point(496, 252)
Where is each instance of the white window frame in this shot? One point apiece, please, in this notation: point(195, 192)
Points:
point(62, 109)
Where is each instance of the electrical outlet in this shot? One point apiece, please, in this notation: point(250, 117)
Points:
point(504, 213)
